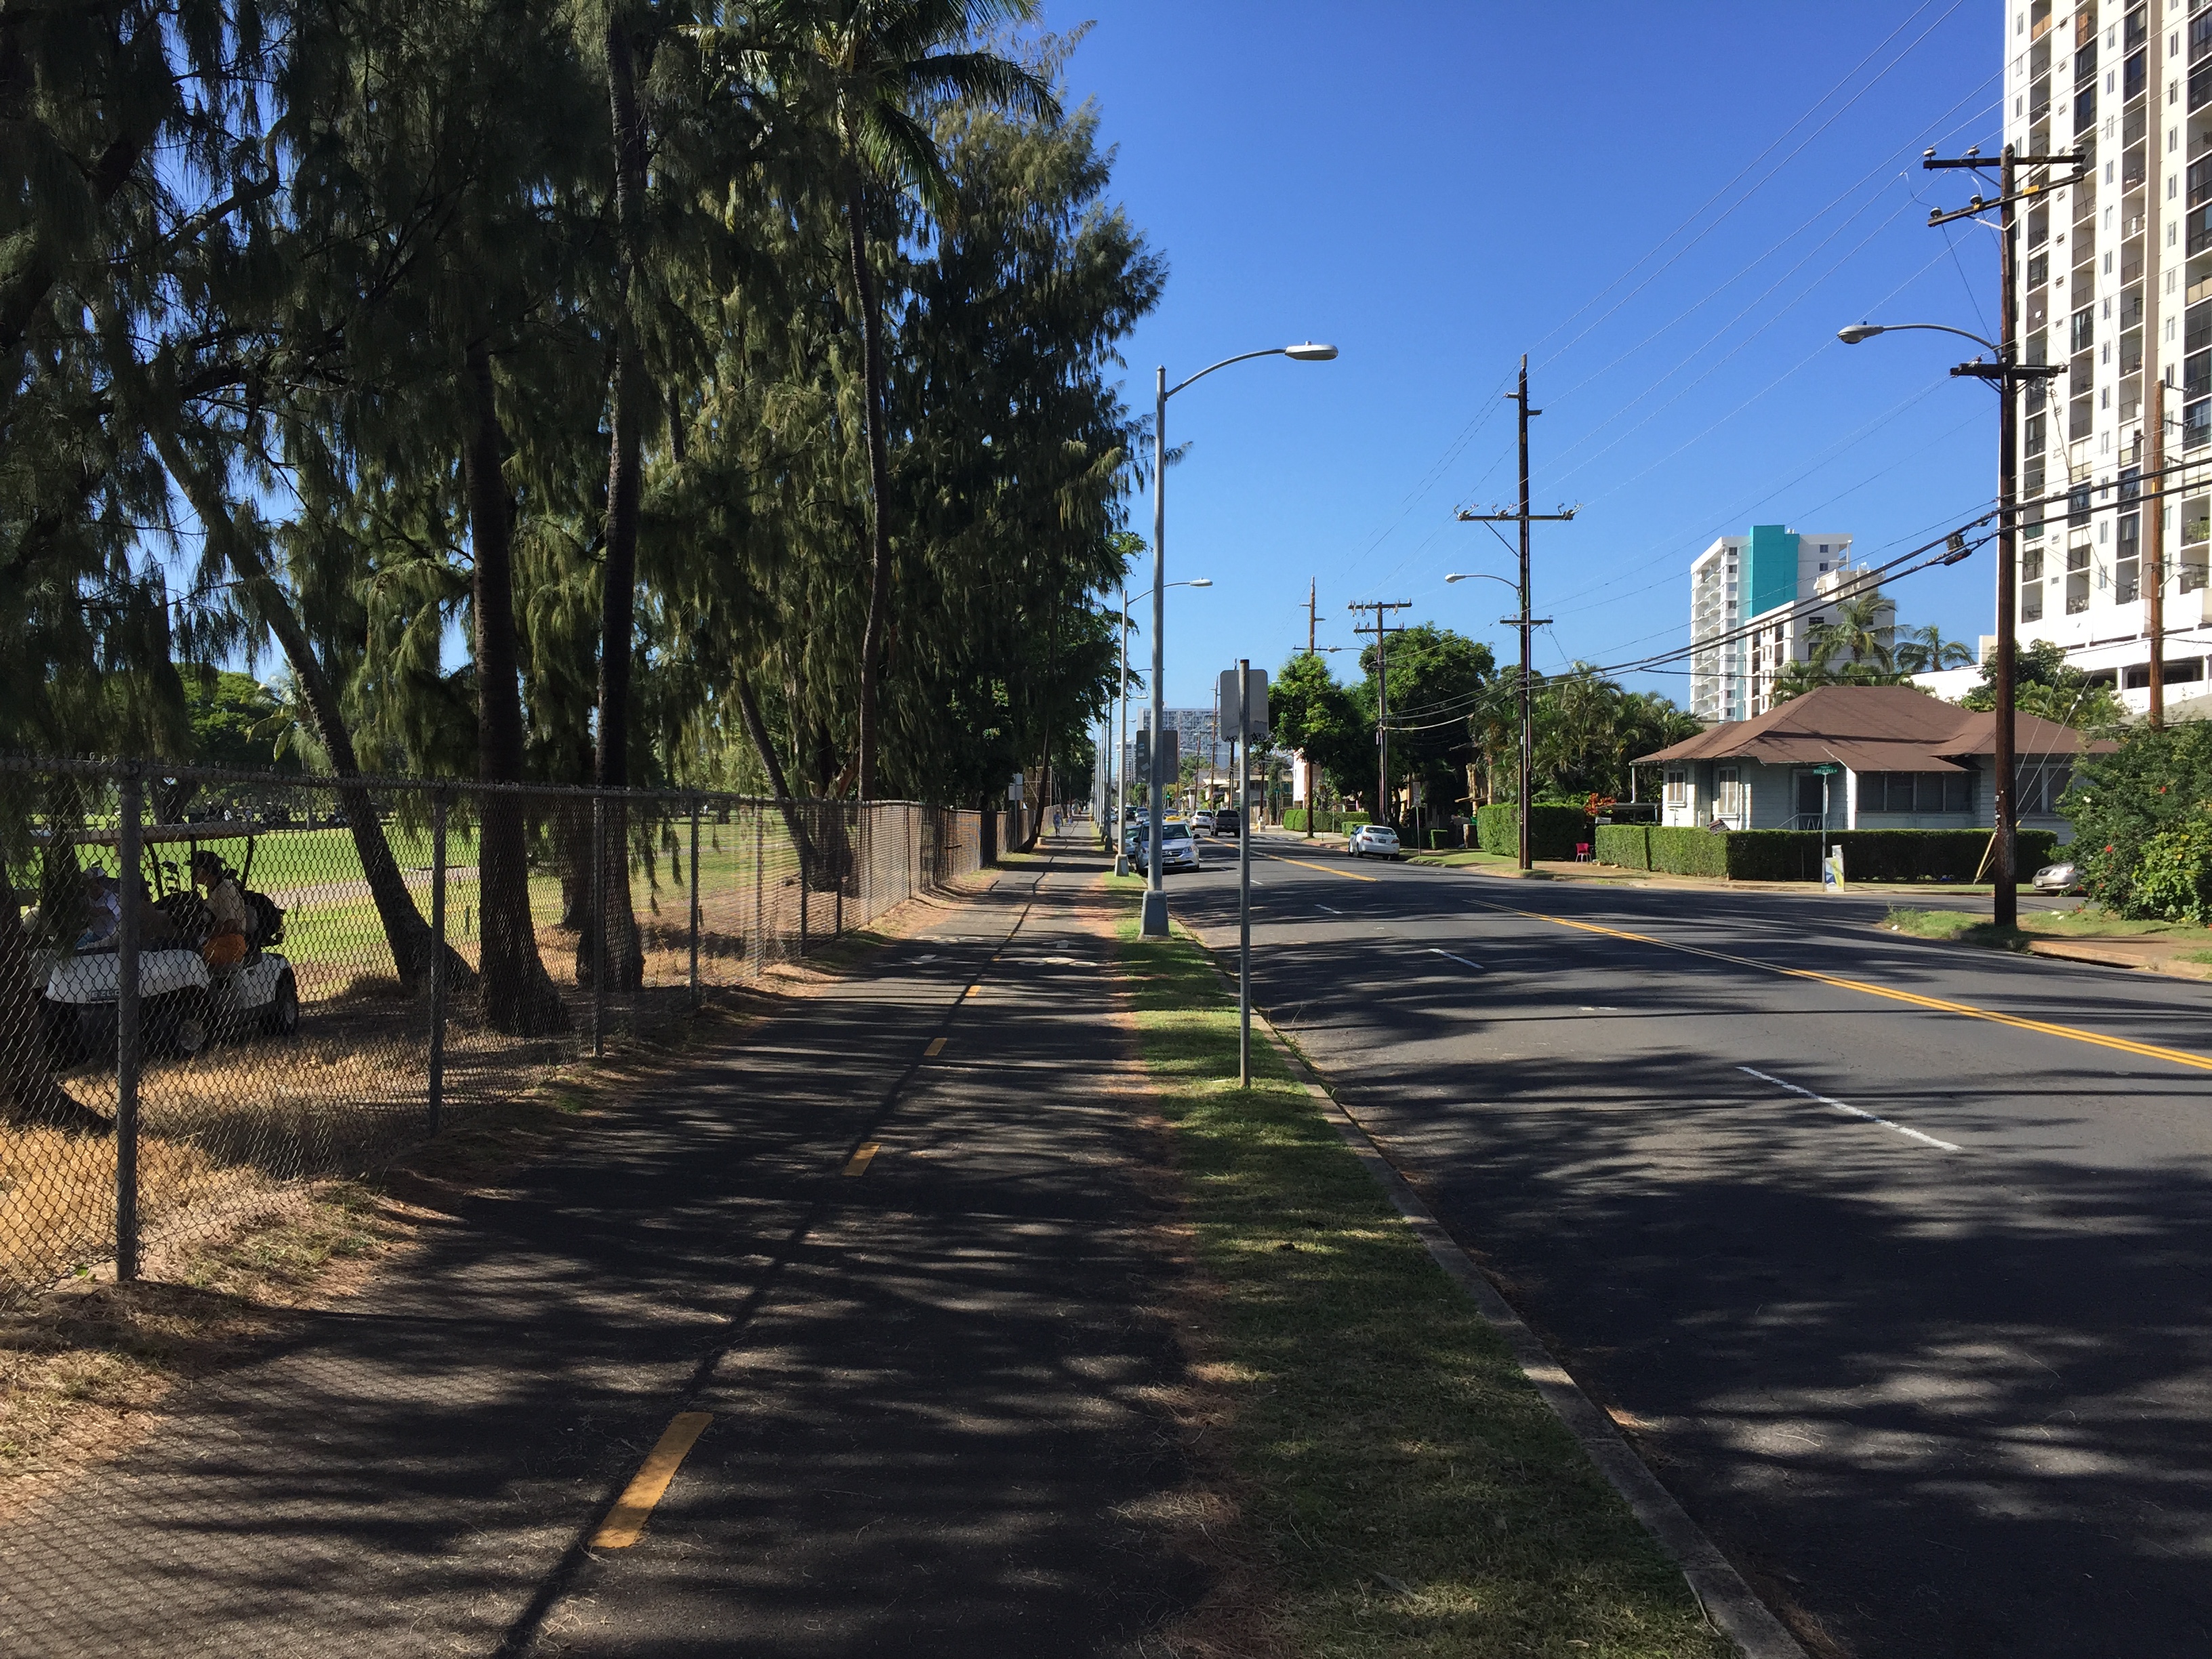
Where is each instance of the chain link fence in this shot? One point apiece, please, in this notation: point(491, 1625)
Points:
point(216, 986)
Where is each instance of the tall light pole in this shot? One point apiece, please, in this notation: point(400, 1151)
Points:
point(2005, 375)
point(1120, 777)
point(1154, 924)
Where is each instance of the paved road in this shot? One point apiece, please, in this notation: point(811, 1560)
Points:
point(937, 1383)
point(1936, 1402)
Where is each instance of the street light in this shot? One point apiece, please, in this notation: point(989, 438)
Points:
point(1154, 923)
point(2003, 375)
point(1121, 772)
point(1479, 576)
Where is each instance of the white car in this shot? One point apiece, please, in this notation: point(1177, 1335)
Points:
point(1373, 840)
point(1177, 850)
point(1201, 822)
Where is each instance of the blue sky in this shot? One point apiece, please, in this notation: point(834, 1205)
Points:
point(1671, 208)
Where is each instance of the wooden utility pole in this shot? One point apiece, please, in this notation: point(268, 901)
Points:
point(1381, 633)
point(1526, 623)
point(1313, 593)
point(2155, 537)
point(2007, 375)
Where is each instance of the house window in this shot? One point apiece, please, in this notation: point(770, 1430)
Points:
point(1729, 786)
point(1914, 791)
point(1678, 788)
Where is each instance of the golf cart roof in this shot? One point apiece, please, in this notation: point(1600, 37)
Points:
point(153, 834)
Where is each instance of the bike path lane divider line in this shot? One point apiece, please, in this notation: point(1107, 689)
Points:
point(625, 1522)
point(936, 1047)
point(1938, 1005)
point(858, 1164)
point(1847, 1108)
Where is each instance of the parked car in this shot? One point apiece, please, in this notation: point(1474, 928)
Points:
point(1177, 850)
point(2061, 878)
point(1373, 840)
point(1201, 822)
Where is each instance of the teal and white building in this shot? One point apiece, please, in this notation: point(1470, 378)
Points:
point(1755, 600)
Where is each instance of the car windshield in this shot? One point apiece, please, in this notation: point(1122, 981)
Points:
point(1171, 830)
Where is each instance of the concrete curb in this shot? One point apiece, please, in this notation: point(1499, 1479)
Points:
point(1729, 1604)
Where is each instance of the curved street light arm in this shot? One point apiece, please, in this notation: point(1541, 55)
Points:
point(1937, 328)
point(1484, 576)
point(1241, 357)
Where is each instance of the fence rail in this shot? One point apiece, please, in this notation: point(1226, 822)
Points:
point(216, 986)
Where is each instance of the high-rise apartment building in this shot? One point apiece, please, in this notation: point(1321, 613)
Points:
point(1757, 587)
point(2116, 282)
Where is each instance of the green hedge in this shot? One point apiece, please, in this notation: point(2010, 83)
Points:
point(1326, 822)
point(1553, 831)
point(1624, 846)
point(1795, 855)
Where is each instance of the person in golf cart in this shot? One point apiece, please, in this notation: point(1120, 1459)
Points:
point(231, 920)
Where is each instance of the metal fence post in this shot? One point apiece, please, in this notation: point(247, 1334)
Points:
point(128, 859)
point(804, 876)
point(850, 861)
point(437, 961)
point(599, 946)
point(695, 901)
point(760, 913)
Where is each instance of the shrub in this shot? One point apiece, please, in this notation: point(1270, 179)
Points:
point(2154, 781)
point(1553, 831)
point(2172, 877)
point(1625, 846)
point(1687, 852)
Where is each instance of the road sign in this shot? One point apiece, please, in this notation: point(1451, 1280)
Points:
point(1256, 692)
point(1014, 789)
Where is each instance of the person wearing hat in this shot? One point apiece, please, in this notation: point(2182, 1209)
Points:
point(103, 912)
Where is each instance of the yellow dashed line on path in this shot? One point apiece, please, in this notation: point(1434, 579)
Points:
point(858, 1164)
point(1939, 1004)
point(974, 990)
point(626, 1521)
point(936, 1047)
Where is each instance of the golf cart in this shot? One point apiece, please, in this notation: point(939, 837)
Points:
point(198, 980)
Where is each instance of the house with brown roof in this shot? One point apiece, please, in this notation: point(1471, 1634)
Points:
point(1865, 757)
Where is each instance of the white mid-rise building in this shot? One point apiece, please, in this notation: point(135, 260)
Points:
point(1765, 589)
point(2116, 283)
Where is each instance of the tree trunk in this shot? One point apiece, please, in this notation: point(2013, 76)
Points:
point(793, 824)
point(32, 1096)
point(404, 930)
point(622, 953)
point(879, 484)
point(516, 994)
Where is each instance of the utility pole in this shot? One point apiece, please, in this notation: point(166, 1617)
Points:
point(1313, 795)
point(2006, 376)
point(1381, 633)
point(1526, 623)
point(1313, 594)
point(2154, 539)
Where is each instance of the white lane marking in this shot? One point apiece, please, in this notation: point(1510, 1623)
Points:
point(931, 956)
point(1478, 967)
point(1588, 1009)
point(1331, 909)
point(1851, 1110)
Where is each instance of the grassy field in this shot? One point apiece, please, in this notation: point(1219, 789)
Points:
point(1410, 1492)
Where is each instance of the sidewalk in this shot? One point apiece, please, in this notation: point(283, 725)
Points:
point(933, 1385)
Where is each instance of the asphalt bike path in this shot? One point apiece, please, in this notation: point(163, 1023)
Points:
point(889, 1271)
point(1900, 1275)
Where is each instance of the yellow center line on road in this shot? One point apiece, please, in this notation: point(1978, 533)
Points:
point(858, 1164)
point(974, 990)
point(626, 1521)
point(1939, 1004)
point(1327, 870)
point(936, 1047)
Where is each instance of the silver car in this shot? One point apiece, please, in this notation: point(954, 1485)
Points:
point(2060, 878)
point(1177, 850)
point(1377, 841)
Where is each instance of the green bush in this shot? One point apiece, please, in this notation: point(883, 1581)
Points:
point(1553, 831)
point(1687, 852)
point(1625, 846)
point(2173, 878)
point(2155, 781)
point(1795, 855)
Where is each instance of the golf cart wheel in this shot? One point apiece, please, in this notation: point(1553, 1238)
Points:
point(179, 1024)
point(282, 1017)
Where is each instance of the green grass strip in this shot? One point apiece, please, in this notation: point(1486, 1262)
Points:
point(1415, 1495)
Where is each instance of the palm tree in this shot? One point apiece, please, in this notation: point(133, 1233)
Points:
point(1863, 629)
point(878, 62)
point(1924, 650)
